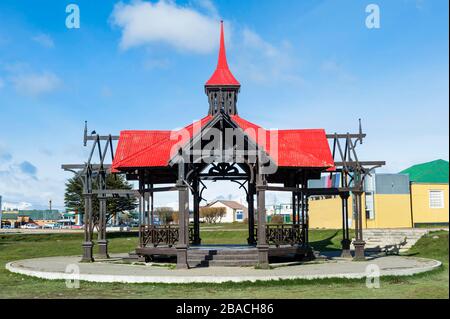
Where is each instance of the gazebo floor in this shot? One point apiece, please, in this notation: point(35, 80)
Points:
point(224, 255)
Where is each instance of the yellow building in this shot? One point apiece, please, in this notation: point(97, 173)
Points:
point(429, 193)
point(416, 196)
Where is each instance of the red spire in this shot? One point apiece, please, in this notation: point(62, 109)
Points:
point(222, 76)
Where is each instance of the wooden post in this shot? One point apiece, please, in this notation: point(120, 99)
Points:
point(152, 217)
point(345, 240)
point(102, 241)
point(263, 247)
point(196, 202)
point(251, 213)
point(306, 204)
point(183, 219)
point(141, 212)
point(87, 244)
point(294, 208)
point(358, 242)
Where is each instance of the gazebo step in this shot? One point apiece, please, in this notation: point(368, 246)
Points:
point(223, 252)
point(222, 263)
point(227, 257)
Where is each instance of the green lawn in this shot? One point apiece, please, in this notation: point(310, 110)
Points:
point(13, 247)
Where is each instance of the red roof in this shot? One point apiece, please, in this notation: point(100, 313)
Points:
point(222, 76)
point(296, 148)
point(152, 148)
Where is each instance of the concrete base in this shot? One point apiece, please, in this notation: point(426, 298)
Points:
point(116, 271)
point(182, 257)
point(263, 256)
point(346, 253)
point(87, 252)
point(103, 249)
point(359, 250)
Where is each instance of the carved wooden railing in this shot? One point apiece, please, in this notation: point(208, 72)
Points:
point(283, 234)
point(161, 235)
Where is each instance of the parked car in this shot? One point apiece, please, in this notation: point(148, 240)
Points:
point(30, 226)
point(52, 226)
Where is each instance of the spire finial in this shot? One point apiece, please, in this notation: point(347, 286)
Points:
point(222, 75)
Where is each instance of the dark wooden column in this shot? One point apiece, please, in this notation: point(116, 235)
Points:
point(294, 208)
point(345, 233)
point(306, 204)
point(196, 202)
point(102, 241)
point(152, 208)
point(251, 213)
point(359, 242)
point(87, 244)
point(183, 220)
point(263, 247)
point(302, 211)
point(141, 211)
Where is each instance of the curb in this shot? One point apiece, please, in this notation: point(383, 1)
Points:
point(202, 279)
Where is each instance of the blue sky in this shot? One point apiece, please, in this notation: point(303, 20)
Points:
point(142, 65)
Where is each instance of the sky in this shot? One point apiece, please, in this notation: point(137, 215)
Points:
point(143, 65)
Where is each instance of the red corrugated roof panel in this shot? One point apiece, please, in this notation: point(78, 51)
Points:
point(294, 148)
point(152, 148)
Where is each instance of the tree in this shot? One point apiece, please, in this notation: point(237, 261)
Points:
point(212, 214)
point(74, 200)
point(165, 214)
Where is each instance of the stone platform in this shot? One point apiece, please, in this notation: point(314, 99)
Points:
point(114, 270)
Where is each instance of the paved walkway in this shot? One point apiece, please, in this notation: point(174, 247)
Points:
point(114, 271)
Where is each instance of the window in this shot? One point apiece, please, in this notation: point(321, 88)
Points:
point(436, 199)
point(370, 211)
point(239, 215)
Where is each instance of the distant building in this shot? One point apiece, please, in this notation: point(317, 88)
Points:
point(416, 196)
point(284, 210)
point(16, 218)
point(235, 212)
point(429, 192)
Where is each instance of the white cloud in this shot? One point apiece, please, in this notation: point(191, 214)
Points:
point(33, 84)
point(21, 190)
point(45, 40)
point(264, 62)
point(16, 205)
point(333, 68)
point(181, 27)
point(208, 6)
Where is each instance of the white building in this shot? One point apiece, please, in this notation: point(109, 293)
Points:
point(235, 212)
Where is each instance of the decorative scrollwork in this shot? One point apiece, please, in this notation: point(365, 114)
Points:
point(223, 169)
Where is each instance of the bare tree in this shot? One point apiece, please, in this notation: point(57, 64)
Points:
point(212, 214)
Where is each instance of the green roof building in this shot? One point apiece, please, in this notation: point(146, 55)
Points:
point(430, 172)
point(429, 193)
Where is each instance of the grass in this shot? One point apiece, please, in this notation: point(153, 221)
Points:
point(13, 247)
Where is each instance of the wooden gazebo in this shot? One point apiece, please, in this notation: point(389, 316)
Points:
point(224, 146)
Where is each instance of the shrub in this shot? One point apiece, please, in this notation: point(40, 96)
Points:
point(165, 214)
point(277, 219)
point(212, 214)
